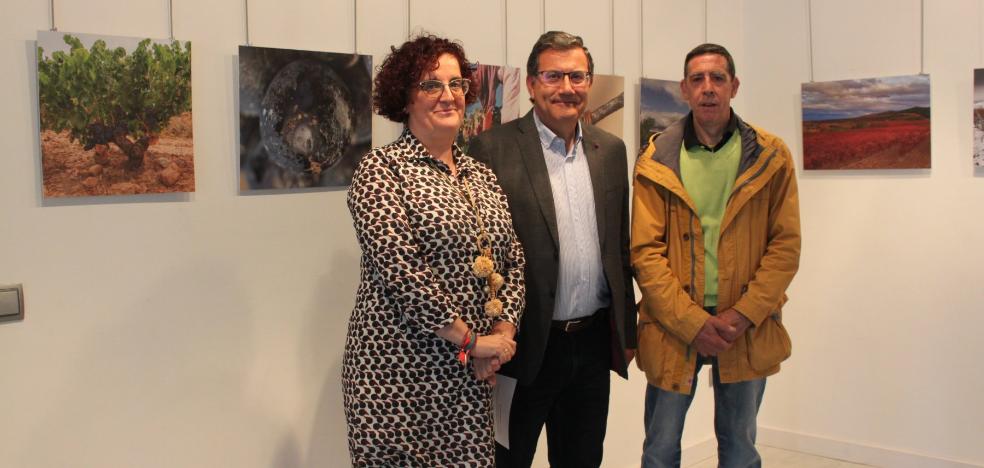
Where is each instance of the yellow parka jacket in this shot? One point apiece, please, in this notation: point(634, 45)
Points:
point(758, 254)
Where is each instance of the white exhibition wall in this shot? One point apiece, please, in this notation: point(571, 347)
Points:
point(887, 305)
point(206, 329)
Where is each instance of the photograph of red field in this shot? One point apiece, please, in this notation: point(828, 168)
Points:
point(874, 123)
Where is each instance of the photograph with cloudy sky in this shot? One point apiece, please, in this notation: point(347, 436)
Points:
point(872, 123)
point(661, 104)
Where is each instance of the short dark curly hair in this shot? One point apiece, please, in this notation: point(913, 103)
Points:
point(402, 68)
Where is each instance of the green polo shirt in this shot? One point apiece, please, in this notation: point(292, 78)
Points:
point(709, 175)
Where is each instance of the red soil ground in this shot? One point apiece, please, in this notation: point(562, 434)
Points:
point(70, 171)
point(873, 144)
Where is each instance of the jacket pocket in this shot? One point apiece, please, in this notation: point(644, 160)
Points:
point(768, 344)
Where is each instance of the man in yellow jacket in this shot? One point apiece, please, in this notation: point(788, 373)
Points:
point(715, 243)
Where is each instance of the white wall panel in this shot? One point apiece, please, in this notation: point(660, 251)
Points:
point(590, 19)
point(216, 30)
point(670, 30)
point(885, 305)
point(382, 24)
point(110, 17)
point(628, 62)
point(478, 25)
point(525, 25)
point(302, 24)
point(775, 65)
point(866, 38)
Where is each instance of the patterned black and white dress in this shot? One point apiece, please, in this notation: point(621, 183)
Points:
point(408, 401)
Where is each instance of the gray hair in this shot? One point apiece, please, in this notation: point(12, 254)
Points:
point(555, 40)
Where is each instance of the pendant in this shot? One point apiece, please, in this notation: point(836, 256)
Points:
point(493, 308)
point(483, 266)
point(495, 282)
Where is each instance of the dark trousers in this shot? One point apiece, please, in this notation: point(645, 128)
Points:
point(570, 396)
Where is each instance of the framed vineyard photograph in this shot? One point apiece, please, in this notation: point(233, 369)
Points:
point(497, 103)
point(660, 104)
point(115, 115)
point(305, 118)
point(605, 103)
point(872, 123)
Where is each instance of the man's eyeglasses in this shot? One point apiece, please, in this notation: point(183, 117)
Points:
point(434, 88)
point(555, 77)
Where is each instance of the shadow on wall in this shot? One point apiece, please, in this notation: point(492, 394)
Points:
point(32, 82)
point(321, 353)
point(163, 384)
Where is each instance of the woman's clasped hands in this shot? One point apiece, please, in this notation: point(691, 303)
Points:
point(490, 353)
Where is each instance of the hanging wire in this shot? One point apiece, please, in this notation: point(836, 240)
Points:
point(705, 21)
point(170, 20)
point(246, 18)
point(355, 27)
point(51, 8)
point(642, 39)
point(809, 23)
point(408, 19)
point(543, 16)
point(505, 31)
point(922, 36)
point(611, 15)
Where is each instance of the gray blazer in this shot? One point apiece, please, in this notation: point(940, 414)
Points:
point(514, 153)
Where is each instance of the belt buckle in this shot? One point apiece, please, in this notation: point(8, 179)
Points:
point(571, 323)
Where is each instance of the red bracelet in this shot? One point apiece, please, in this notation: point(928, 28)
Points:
point(467, 345)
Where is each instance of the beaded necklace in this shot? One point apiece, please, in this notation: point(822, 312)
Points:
point(483, 265)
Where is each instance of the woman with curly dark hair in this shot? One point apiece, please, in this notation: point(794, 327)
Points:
point(441, 286)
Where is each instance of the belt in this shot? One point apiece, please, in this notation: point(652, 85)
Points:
point(573, 325)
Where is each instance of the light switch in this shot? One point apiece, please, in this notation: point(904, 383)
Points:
point(11, 302)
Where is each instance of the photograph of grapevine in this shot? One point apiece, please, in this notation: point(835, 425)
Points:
point(305, 118)
point(115, 115)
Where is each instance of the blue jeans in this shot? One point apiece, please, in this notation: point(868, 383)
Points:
point(736, 406)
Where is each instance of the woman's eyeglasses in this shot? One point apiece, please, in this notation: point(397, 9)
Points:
point(434, 88)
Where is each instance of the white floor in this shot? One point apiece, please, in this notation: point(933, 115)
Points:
point(778, 458)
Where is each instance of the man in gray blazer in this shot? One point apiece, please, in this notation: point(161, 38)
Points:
point(567, 185)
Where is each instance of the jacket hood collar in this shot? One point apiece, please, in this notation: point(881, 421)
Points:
point(667, 151)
